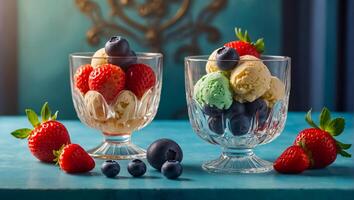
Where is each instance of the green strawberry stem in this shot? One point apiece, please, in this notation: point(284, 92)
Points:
point(57, 153)
point(334, 127)
point(259, 44)
point(34, 120)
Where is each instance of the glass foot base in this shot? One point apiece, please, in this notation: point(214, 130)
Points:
point(117, 148)
point(238, 161)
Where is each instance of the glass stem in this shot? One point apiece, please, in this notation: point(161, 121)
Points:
point(237, 153)
point(118, 139)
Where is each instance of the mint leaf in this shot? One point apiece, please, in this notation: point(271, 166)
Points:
point(309, 119)
point(32, 117)
point(325, 117)
point(46, 112)
point(335, 126)
point(345, 154)
point(21, 133)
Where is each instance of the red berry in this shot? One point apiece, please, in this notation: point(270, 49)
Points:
point(140, 78)
point(320, 145)
point(109, 80)
point(243, 48)
point(292, 161)
point(81, 78)
point(74, 159)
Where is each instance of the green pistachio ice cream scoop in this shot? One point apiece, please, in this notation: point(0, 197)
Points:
point(213, 89)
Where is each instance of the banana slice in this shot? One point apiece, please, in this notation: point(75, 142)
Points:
point(125, 106)
point(99, 58)
point(96, 105)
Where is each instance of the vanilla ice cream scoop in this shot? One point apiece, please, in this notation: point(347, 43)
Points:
point(250, 79)
point(275, 92)
point(99, 58)
point(211, 65)
point(125, 106)
point(96, 105)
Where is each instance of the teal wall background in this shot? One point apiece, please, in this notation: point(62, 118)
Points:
point(49, 30)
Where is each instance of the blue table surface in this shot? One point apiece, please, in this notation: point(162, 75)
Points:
point(22, 176)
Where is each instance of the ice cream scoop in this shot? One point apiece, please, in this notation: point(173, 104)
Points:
point(125, 106)
point(96, 105)
point(213, 89)
point(275, 92)
point(250, 79)
point(211, 65)
point(99, 58)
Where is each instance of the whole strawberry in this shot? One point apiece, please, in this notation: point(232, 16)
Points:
point(47, 136)
point(292, 161)
point(319, 142)
point(81, 78)
point(107, 79)
point(140, 78)
point(244, 46)
point(72, 158)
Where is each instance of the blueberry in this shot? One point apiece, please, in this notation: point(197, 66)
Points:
point(216, 125)
point(117, 46)
point(162, 150)
point(226, 58)
point(124, 62)
point(136, 168)
point(258, 106)
point(212, 110)
point(110, 168)
point(236, 108)
point(239, 124)
point(172, 169)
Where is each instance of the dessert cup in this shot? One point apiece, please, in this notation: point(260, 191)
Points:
point(237, 150)
point(118, 119)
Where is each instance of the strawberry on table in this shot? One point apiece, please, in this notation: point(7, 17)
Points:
point(244, 46)
point(47, 136)
point(81, 78)
point(292, 161)
point(319, 142)
point(140, 78)
point(72, 158)
point(109, 80)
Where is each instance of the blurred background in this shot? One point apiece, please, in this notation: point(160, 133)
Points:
point(36, 37)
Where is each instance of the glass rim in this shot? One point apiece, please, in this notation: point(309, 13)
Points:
point(141, 55)
point(263, 58)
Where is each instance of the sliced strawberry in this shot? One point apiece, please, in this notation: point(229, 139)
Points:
point(81, 78)
point(73, 158)
point(292, 161)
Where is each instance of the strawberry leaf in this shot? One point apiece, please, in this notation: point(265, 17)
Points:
point(336, 126)
point(345, 154)
point(21, 133)
point(46, 112)
point(32, 117)
point(343, 146)
point(259, 45)
point(54, 117)
point(309, 119)
point(325, 117)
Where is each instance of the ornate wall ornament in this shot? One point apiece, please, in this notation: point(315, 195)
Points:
point(152, 24)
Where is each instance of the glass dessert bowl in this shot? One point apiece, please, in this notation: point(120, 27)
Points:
point(239, 108)
point(122, 96)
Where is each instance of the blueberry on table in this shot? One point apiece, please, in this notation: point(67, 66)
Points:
point(216, 125)
point(226, 58)
point(124, 61)
point(236, 108)
point(117, 46)
point(162, 150)
point(136, 168)
point(172, 169)
point(239, 124)
point(110, 168)
point(211, 110)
